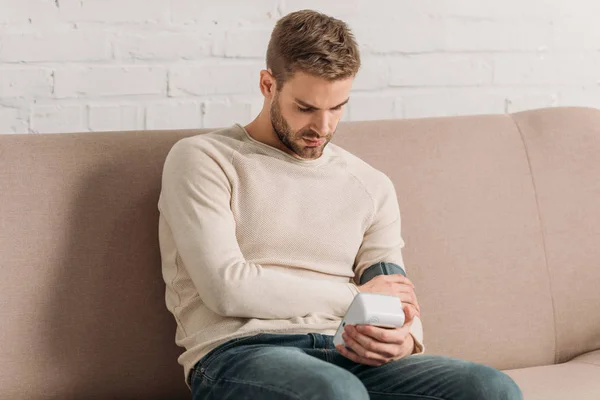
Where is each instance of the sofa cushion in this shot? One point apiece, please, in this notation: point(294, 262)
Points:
point(592, 358)
point(578, 379)
point(470, 221)
point(563, 147)
point(81, 292)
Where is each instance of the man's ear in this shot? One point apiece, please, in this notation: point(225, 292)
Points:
point(268, 84)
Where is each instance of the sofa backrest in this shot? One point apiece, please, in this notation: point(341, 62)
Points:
point(564, 155)
point(500, 219)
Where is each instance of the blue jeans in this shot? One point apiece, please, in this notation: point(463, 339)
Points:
point(273, 366)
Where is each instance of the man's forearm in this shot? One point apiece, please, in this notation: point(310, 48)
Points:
point(248, 290)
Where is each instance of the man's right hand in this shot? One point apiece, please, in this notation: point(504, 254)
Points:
point(394, 285)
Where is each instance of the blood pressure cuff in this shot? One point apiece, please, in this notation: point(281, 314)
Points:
point(381, 268)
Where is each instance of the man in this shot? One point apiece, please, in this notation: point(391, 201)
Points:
point(265, 232)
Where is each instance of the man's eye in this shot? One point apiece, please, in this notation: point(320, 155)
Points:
point(304, 110)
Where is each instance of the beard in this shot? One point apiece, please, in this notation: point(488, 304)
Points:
point(293, 140)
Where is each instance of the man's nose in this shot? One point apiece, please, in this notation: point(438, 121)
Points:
point(322, 123)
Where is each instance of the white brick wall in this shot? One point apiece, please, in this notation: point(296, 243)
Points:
point(16, 81)
point(102, 65)
point(13, 120)
point(100, 80)
point(58, 118)
point(174, 115)
point(114, 117)
point(223, 113)
point(67, 45)
point(215, 77)
point(114, 11)
point(441, 70)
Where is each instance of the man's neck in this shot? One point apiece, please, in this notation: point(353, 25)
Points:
point(261, 130)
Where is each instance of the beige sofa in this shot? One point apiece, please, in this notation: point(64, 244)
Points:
point(501, 218)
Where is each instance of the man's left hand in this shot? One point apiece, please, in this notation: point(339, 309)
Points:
point(372, 345)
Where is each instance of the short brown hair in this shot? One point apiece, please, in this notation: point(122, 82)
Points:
point(313, 43)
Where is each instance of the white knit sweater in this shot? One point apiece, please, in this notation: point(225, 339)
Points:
point(255, 240)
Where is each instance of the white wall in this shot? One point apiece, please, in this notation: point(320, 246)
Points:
point(93, 65)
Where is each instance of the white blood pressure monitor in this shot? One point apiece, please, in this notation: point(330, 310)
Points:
point(372, 309)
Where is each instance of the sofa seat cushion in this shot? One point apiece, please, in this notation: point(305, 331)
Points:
point(593, 358)
point(578, 379)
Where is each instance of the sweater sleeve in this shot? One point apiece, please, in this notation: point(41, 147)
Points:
point(195, 202)
point(383, 242)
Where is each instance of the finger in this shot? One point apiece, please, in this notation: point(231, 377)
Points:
point(355, 357)
point(410, 313)
point(411, 310)
point(398, 278)
point(409, 297)
point(385, 335)
point(414, 307)
point(360, 350)
point(405, 292)
point(372, 345)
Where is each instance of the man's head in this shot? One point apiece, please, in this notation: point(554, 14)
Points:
point(311, 60)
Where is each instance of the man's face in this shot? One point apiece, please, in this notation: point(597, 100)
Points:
point(306, 111)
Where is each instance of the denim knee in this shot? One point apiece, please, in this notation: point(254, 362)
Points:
point(485, 383)
point(339, 384)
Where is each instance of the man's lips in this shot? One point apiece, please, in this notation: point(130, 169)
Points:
point(314, 142)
